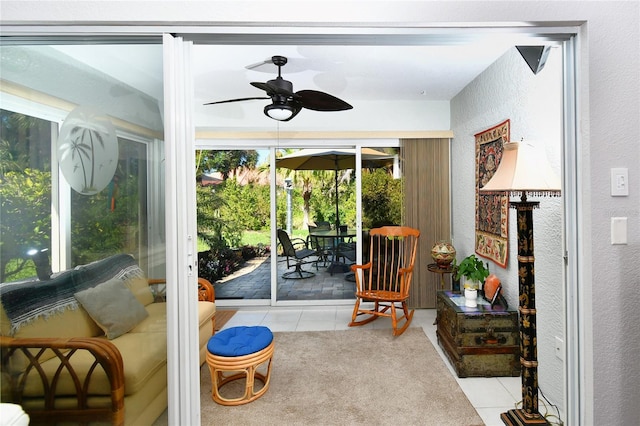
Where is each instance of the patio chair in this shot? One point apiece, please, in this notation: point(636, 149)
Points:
point(386, 279)
point(297, 254)
point(322, 246)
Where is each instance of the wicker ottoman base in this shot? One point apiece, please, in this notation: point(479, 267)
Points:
point(225, 370)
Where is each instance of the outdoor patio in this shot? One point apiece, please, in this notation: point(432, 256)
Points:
point(253, 282)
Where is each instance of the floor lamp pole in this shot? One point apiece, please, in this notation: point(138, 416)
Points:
point(528, 414)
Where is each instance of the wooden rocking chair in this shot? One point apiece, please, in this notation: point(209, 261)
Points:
point(386, 279)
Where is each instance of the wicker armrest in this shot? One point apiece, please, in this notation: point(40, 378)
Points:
point(105, 356)
point(206, 291)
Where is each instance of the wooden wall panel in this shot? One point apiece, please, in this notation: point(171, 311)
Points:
point(425, 165)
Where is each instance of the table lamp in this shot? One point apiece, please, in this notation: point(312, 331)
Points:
point(523, 171)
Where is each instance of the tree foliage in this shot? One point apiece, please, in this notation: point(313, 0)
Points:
point(105, 223)
point(224, 162)
point(23, 225)
point(381, 199)
point(25, 192)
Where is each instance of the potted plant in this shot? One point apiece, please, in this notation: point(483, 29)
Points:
point(475, 272)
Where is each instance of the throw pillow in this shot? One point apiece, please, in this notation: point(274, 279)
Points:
point(113, 307)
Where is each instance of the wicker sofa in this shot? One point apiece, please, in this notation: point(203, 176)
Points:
point(72, 353)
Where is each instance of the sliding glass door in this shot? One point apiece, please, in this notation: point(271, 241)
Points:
point(81, 178)
point(234, 222)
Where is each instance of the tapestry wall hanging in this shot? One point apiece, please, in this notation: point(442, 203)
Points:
point(492, 211)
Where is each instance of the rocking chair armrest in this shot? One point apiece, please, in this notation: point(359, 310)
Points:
point(355, 267)
point(406, 270)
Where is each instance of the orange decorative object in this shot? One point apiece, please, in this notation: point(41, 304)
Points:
point(491, 285)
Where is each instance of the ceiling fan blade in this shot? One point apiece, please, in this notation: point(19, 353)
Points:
point(259, 64)
point(234, 100)
point(320, 101)
point(261, 86)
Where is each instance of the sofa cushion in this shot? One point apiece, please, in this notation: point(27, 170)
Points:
point(139, 286)
point(143, 354)
point(113, 307)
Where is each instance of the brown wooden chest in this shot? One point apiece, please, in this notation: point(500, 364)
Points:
point(481, 341)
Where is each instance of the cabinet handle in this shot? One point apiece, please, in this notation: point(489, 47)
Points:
point(490, 340)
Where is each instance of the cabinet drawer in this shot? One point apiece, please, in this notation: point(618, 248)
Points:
point(478, 342)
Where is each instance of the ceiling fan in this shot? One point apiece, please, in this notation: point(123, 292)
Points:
point(285, 103)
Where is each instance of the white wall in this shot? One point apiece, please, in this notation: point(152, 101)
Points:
point(509, 90)
point(608, 130)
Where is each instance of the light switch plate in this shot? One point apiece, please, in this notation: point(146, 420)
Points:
point(619, 182)
point(618, 230)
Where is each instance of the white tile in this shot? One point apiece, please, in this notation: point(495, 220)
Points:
point(247, 318)
point(315, 326)
point(320, 315)
point(281, 326)
point(285, 315)
point(485, 392)
point(491, 416)
point(513, 385)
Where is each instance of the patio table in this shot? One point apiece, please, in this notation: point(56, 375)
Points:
point(335, 237)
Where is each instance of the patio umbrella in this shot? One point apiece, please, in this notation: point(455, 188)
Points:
point(333, 159)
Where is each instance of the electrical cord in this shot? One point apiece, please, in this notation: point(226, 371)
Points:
point(548, 416)
point(553, 419)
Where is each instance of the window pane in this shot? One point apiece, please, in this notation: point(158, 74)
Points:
point(113, 220)
point(82, 184)
point(25, 192)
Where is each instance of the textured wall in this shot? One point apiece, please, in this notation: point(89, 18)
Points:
point(533, 103)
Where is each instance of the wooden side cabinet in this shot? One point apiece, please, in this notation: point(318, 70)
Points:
point(481, 341)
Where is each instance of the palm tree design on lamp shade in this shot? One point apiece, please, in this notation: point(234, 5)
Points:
point(88, 150)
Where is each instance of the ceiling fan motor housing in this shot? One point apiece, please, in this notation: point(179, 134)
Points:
point(281, 86)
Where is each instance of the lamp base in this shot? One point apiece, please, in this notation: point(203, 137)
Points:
point(518, 418)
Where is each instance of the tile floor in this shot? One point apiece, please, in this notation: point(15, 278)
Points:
point(489, 396)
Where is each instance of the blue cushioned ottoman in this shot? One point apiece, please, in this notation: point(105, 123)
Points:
point(237, 353)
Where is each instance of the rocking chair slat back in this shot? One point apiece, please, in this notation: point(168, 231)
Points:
point(386, 278)
point(392, 252)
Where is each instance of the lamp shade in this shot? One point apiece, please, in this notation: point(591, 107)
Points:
point(523, 170)
point(279, 111)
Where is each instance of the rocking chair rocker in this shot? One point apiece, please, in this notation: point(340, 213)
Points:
point(386, 279)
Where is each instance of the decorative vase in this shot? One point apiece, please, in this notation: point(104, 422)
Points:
point(470, 297)
point(443, 254)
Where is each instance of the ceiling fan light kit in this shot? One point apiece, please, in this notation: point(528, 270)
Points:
point(285, 104)
point(281, 112)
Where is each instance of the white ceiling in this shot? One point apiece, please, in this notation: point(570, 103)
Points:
point(410, 73)
point(356, 74)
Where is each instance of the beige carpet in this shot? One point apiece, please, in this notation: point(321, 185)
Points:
point(350, 377)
